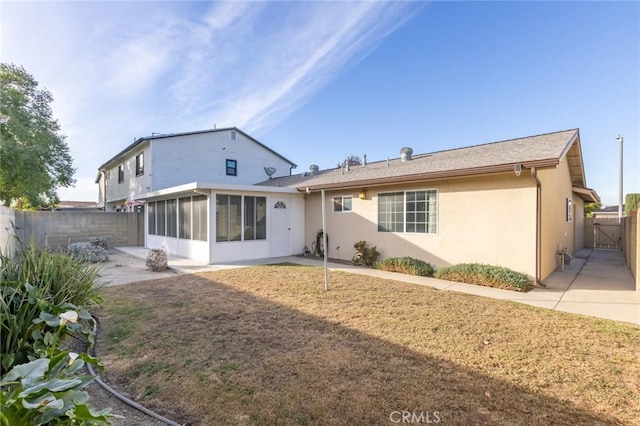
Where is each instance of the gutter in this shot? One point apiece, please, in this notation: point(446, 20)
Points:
point(534, 176)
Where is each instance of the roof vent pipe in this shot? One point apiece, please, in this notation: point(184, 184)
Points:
point(405, 154)
point(313, 169)
point(364, 159)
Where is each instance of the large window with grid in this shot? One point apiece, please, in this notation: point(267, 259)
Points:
point(240, 218)
point(408, 211)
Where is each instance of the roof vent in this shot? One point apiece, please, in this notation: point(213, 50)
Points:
point(405, 154)
point(314, 169)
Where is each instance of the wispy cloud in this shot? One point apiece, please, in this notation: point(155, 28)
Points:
point(124, 69)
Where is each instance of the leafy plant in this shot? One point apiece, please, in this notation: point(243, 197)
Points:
point(364, 255)
point(88, 252)
point(486, 275)
point(157, 260)
point(49, 391)
point(406, 265)
point(59, 277)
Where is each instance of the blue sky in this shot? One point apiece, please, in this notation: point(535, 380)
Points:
point(318, 81)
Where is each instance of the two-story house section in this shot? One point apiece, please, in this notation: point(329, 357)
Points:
point(152, 163)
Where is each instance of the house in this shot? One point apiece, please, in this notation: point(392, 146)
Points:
point(515, 203)
point(610, 212)
point(76, 205)
point(161, 161)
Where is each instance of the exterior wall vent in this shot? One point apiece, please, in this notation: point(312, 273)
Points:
point(313, 169)
point(405, 154)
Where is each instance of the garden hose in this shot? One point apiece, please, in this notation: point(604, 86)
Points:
point(115, 393)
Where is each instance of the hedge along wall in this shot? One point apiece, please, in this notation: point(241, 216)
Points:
point(52, 229)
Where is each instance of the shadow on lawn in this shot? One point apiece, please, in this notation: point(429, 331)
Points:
point(215, 354)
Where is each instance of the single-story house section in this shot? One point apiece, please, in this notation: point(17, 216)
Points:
point(215, 223)
point(514, 203)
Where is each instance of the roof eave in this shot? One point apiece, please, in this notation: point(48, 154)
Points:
point(587, 194)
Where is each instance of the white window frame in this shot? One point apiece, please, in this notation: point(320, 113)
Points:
point(342, 198)
point(404, 212)
point(569, 210)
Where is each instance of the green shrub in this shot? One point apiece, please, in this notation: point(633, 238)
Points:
point(486, 275)
point(59, 277)
point(88, 252)
point(99, 241)
point(364, 255)
point(406, 265)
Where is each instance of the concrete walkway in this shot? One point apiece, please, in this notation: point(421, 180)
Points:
point(596, 283)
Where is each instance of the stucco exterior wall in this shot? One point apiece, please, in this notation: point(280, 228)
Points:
point(578, 223)
point(557, 233)
point(488, 219)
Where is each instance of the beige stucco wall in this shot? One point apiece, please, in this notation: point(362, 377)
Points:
point(557, 233)
point(488, 219)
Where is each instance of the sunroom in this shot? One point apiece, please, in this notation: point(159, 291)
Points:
point(218, 223)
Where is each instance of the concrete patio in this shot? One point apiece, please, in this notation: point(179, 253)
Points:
point(596, 282)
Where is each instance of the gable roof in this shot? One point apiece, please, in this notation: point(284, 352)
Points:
point(140, 141)
point(543, 150)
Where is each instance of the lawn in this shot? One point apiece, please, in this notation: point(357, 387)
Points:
point(266, 345)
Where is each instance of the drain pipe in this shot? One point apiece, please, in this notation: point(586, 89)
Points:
point(118, 395)
point(534, 176)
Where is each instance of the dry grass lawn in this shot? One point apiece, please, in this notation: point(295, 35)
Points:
point(266, 345)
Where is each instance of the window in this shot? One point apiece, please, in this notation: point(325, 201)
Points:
point(390, 212)
point(121, 173)
point(279, 205)
point(240, 218)
point(255, 214)
point(233, 135)
point(151, 215)
point(228, 217)
point(172, 219)
point(184, 220)
point(200, 217)
point(232, 168)
point(569, 210)
point(342, 204)
point(410, 211)
point(140, 164)
point(160, 217)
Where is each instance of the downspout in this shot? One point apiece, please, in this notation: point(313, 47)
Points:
point(534, 176)
point(104, 187)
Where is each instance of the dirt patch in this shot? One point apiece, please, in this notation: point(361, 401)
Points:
point(266, 345)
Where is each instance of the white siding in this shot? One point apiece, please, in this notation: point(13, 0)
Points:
point(202, 158)
point(133, 185)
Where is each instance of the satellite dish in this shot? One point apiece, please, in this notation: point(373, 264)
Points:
point(269, 171)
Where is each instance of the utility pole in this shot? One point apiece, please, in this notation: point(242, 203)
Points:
point(621, 139)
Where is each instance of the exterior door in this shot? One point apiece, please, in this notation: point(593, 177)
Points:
point(280, 228)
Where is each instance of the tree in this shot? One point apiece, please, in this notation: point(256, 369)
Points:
point(352, 160)
point(34, 157)
point(589, 208)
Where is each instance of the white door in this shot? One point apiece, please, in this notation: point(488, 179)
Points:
point(280, 227)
